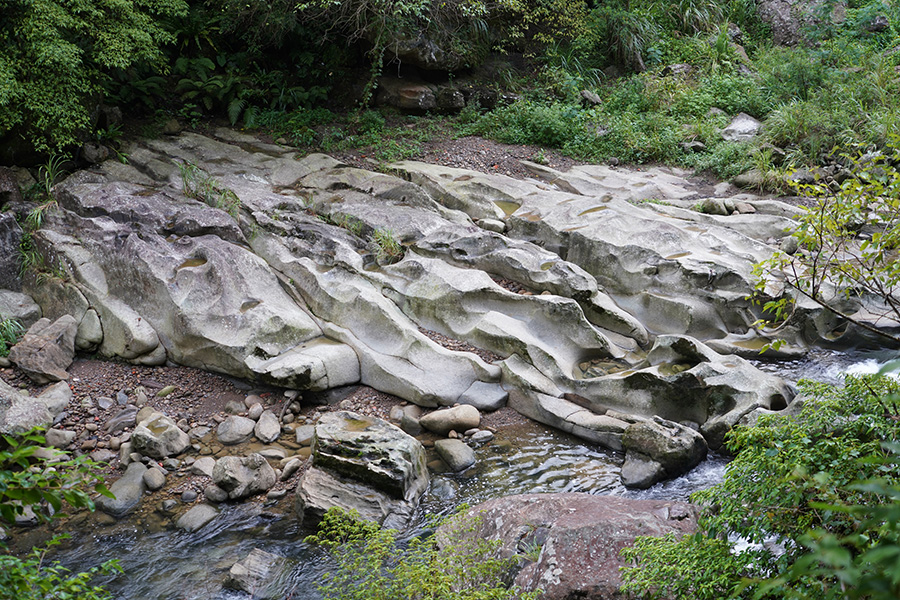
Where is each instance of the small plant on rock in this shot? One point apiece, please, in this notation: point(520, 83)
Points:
point(388, 249)
point(10, 332)
point(200, 185)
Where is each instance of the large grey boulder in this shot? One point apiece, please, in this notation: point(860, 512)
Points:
point(159, 437)
point(128, 491)
point(243, 476)
point(20, 413)
point(46, 350)
point(363, 463)
point(676, 449)
point(568, 545)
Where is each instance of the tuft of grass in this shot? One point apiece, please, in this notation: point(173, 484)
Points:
point(387, 249)
point(200, 185)
point(11, 331)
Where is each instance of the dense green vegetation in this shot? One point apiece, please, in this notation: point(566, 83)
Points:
point(273, 64)
point(39, 484)
point(813, 498)
point(371, 563)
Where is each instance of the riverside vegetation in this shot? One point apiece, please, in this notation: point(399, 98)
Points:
point(822, 512)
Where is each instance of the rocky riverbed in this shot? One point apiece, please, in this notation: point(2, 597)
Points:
point(393, 323)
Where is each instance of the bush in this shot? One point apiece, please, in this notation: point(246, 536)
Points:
point(798, 486)
point(372, 563)
point(56, 54)
point(36, 482)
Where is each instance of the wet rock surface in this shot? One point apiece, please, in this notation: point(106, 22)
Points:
point(568, 544)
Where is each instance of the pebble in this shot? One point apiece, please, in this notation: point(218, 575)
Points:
point(188, 496)
point(288, 418)
point(471, 432)
point(165, 391)
point(105, 403)
point(4, 362)
point(251, 400)
point(482, 436)
point(91, 427)
point(122, 398)
point(88, 445)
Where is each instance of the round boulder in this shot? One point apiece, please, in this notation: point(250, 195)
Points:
point(458, 418)
point(243, 476)
point(235, 430)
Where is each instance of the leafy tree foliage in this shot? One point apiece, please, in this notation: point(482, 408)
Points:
point(34, 479)
point(55, 53)
point(373, 565)
point(847, 246)
point(813, 498)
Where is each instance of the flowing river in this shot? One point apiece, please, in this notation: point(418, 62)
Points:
point(175, 565)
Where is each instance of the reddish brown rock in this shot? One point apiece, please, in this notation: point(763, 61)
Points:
point(569, 544)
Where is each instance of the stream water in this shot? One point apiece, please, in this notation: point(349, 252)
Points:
point(174, 565)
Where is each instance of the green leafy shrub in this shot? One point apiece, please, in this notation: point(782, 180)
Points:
point(798, 488)
point(56, 55)
point(42, 484)
point(36, 578)
point(848, 241)
point(372, 564)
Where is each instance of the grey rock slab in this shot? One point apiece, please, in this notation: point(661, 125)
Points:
point(268, 428)
point(458, 418)
point(159, 437)
point(46, 350)
point(484, 396)
point(243, 476)
point(372, 451)
point(235, 430)
point(456, 453)
point(683, 380)
point(261, 574)
point(203, 466)
point(388, 344)
point(128, 491)
point(18, 306)
point(196, 518)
